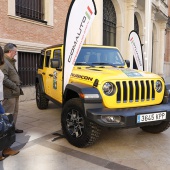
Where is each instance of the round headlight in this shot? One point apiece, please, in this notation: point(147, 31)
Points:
point(109, 88)
point(158, 86)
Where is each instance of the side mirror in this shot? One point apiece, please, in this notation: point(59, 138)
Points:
point(55, 63)
point(127, 63)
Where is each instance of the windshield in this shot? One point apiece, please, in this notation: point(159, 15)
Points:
point(99, 56)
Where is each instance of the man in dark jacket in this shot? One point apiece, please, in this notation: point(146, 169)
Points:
point(11, 83)
point(7, 127)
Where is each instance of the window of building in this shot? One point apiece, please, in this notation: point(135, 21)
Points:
point(31, 9)
point(27, 67)
point(35, 11)
point(109, 23)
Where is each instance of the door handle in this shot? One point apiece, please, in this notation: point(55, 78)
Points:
point(51, 75)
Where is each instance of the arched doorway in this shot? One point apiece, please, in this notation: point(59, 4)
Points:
point(136, 25)
point(109, 23)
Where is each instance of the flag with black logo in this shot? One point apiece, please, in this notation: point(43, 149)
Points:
point(80, 16)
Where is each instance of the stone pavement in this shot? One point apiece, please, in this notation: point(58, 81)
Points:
point(119, 149)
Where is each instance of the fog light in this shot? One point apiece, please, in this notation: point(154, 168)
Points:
point(111, 119)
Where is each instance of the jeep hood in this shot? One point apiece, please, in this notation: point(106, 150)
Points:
point(104, 73)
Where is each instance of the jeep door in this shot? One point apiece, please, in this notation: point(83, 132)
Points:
point(55, 80)
point(46, 72)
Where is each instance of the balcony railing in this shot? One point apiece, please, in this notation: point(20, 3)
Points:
point(162, 5)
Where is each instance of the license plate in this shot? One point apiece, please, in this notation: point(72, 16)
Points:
point(151, 117)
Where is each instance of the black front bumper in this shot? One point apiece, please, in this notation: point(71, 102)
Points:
point(128, 115)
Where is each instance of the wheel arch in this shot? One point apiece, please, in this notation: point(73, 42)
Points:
point(78, 90)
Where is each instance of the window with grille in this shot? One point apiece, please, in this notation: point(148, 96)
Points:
point(31, 9)
point(109, 23)
point(27, 67)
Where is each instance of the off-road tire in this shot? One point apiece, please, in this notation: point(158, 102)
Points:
point(77, 129)
point(164, 125)
point(41, 100)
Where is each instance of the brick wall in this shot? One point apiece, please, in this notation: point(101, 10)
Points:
point(14, 29)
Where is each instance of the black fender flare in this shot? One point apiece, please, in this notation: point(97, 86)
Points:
point(84, 90)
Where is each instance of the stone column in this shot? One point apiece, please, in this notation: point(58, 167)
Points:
point(95, 35)
point(49, 12)
point(131, 4)
point(161, 49)
point(168, 45)
point(154, 44)
point(148, 38)
point(151, 43)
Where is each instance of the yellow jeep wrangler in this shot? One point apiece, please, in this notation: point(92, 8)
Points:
point(102, 92)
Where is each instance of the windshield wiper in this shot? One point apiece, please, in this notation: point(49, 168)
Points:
point(84, 64)
point(106, 64)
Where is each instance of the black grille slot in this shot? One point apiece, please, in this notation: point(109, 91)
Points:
point(118, 92)
point(131, 91)
point(153, 90)
point(124, 92)
point(137, 91)
point(148, 90)
point(142, 90)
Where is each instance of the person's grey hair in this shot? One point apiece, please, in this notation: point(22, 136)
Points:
point(8, 47)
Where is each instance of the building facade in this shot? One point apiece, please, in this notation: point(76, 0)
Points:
point(35, 24)
point(167, 48)
point(32, 25)
point(117, 18)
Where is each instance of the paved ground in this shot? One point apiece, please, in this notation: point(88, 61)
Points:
point(123, 149)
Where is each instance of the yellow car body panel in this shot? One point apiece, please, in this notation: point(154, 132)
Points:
point(122, 75)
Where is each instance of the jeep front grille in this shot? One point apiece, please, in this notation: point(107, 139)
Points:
point(135, 91)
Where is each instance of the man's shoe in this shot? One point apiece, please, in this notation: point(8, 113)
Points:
point(2, 158)
point(9, 152)
point(18, 131)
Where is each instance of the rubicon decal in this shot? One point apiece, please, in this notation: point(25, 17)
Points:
point(82, 77)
